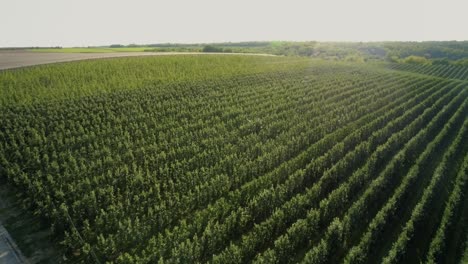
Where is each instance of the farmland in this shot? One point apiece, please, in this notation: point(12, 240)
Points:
point(241, 159)
point(21, 58)
point(89, 50)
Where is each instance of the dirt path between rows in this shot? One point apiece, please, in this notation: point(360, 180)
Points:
point(22, 58)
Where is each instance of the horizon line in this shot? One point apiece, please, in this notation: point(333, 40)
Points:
point(229, 42)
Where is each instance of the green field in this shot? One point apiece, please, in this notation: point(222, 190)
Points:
point(87, 78)
point(241, 159)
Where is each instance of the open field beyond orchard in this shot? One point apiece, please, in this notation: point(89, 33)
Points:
point(21, 58)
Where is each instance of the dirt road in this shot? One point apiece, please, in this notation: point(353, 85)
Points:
point(9, 252)
point(22, 58)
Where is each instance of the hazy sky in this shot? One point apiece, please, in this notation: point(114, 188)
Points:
point(101, 22)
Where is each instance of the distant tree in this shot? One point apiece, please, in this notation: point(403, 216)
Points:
point(416, 60)
point(354, 58)
point(393, 58)
point(209, 48)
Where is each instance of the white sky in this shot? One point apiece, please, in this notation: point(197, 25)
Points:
point(103, 22)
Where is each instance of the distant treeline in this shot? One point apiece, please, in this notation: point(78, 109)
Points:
point(429, 52)
point(437, 52)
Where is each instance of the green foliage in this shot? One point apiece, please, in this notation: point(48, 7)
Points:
point(416, 60)
point(238, 159)
point(439, 244)
point(455, 52)
point(354, 58)
point(443, 61)
point(210, 48)
point(461, 62)
point(86, 78)
point(440, 69)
